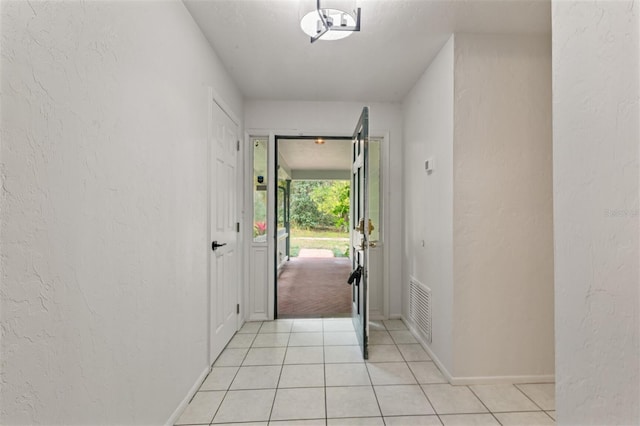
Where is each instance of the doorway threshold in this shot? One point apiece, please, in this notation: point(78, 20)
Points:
point(309, 316)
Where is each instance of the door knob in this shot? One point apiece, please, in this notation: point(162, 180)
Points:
point(215, 245)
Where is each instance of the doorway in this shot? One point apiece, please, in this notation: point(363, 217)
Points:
point(312, 255)
point(313, 259)
point(262, 234)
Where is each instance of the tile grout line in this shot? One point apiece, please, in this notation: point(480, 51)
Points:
point(424, 393)
point(373, 388)
point(323, 347)
point(228, 388)
point(324, 375)
point(226, 392)
point(296, 387)
point(275, 393)
point(535, 403)
point(485, 405)
point(529, 398)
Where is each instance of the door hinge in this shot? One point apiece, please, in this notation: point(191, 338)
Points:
point(237, 145)
point(237, 226)
point(238, 308)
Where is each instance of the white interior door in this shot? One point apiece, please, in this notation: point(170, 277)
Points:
point(223, 253)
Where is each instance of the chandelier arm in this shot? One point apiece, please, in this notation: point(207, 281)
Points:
point(341, 28)
point(325, 24)
point(320, 34)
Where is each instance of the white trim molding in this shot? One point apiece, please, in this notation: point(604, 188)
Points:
point(259, 293)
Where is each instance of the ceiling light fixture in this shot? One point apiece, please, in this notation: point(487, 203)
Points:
point(329, 24)
point(319, 141)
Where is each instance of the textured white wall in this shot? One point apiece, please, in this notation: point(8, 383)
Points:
point(595, 155)
point(341, 118)
point(482, 111)
point(104, 210)
point(503, 208)
point(428, 208)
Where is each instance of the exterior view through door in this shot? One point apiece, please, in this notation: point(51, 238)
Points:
point(312, 219)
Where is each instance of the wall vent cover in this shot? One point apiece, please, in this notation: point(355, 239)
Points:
point(420, 307)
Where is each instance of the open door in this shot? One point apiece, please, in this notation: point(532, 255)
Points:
point(361, 228)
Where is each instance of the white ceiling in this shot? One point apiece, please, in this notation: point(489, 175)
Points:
point(305, 154)
point(270, 58)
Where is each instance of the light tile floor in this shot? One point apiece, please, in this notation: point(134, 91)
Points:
point(310, 372)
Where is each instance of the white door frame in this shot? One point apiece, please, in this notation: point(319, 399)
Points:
point(385, 189)
point(215, 98)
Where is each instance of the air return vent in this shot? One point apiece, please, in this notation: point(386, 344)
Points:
point(420, 307)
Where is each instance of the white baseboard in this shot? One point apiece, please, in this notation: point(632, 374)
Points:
point(178, 411)
point(258, 317)
point(434, 358)
point(500, 380)
point(477, 380)
point(376, 316)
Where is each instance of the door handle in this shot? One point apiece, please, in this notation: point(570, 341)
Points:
point(215, 245)
point(355, 276)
